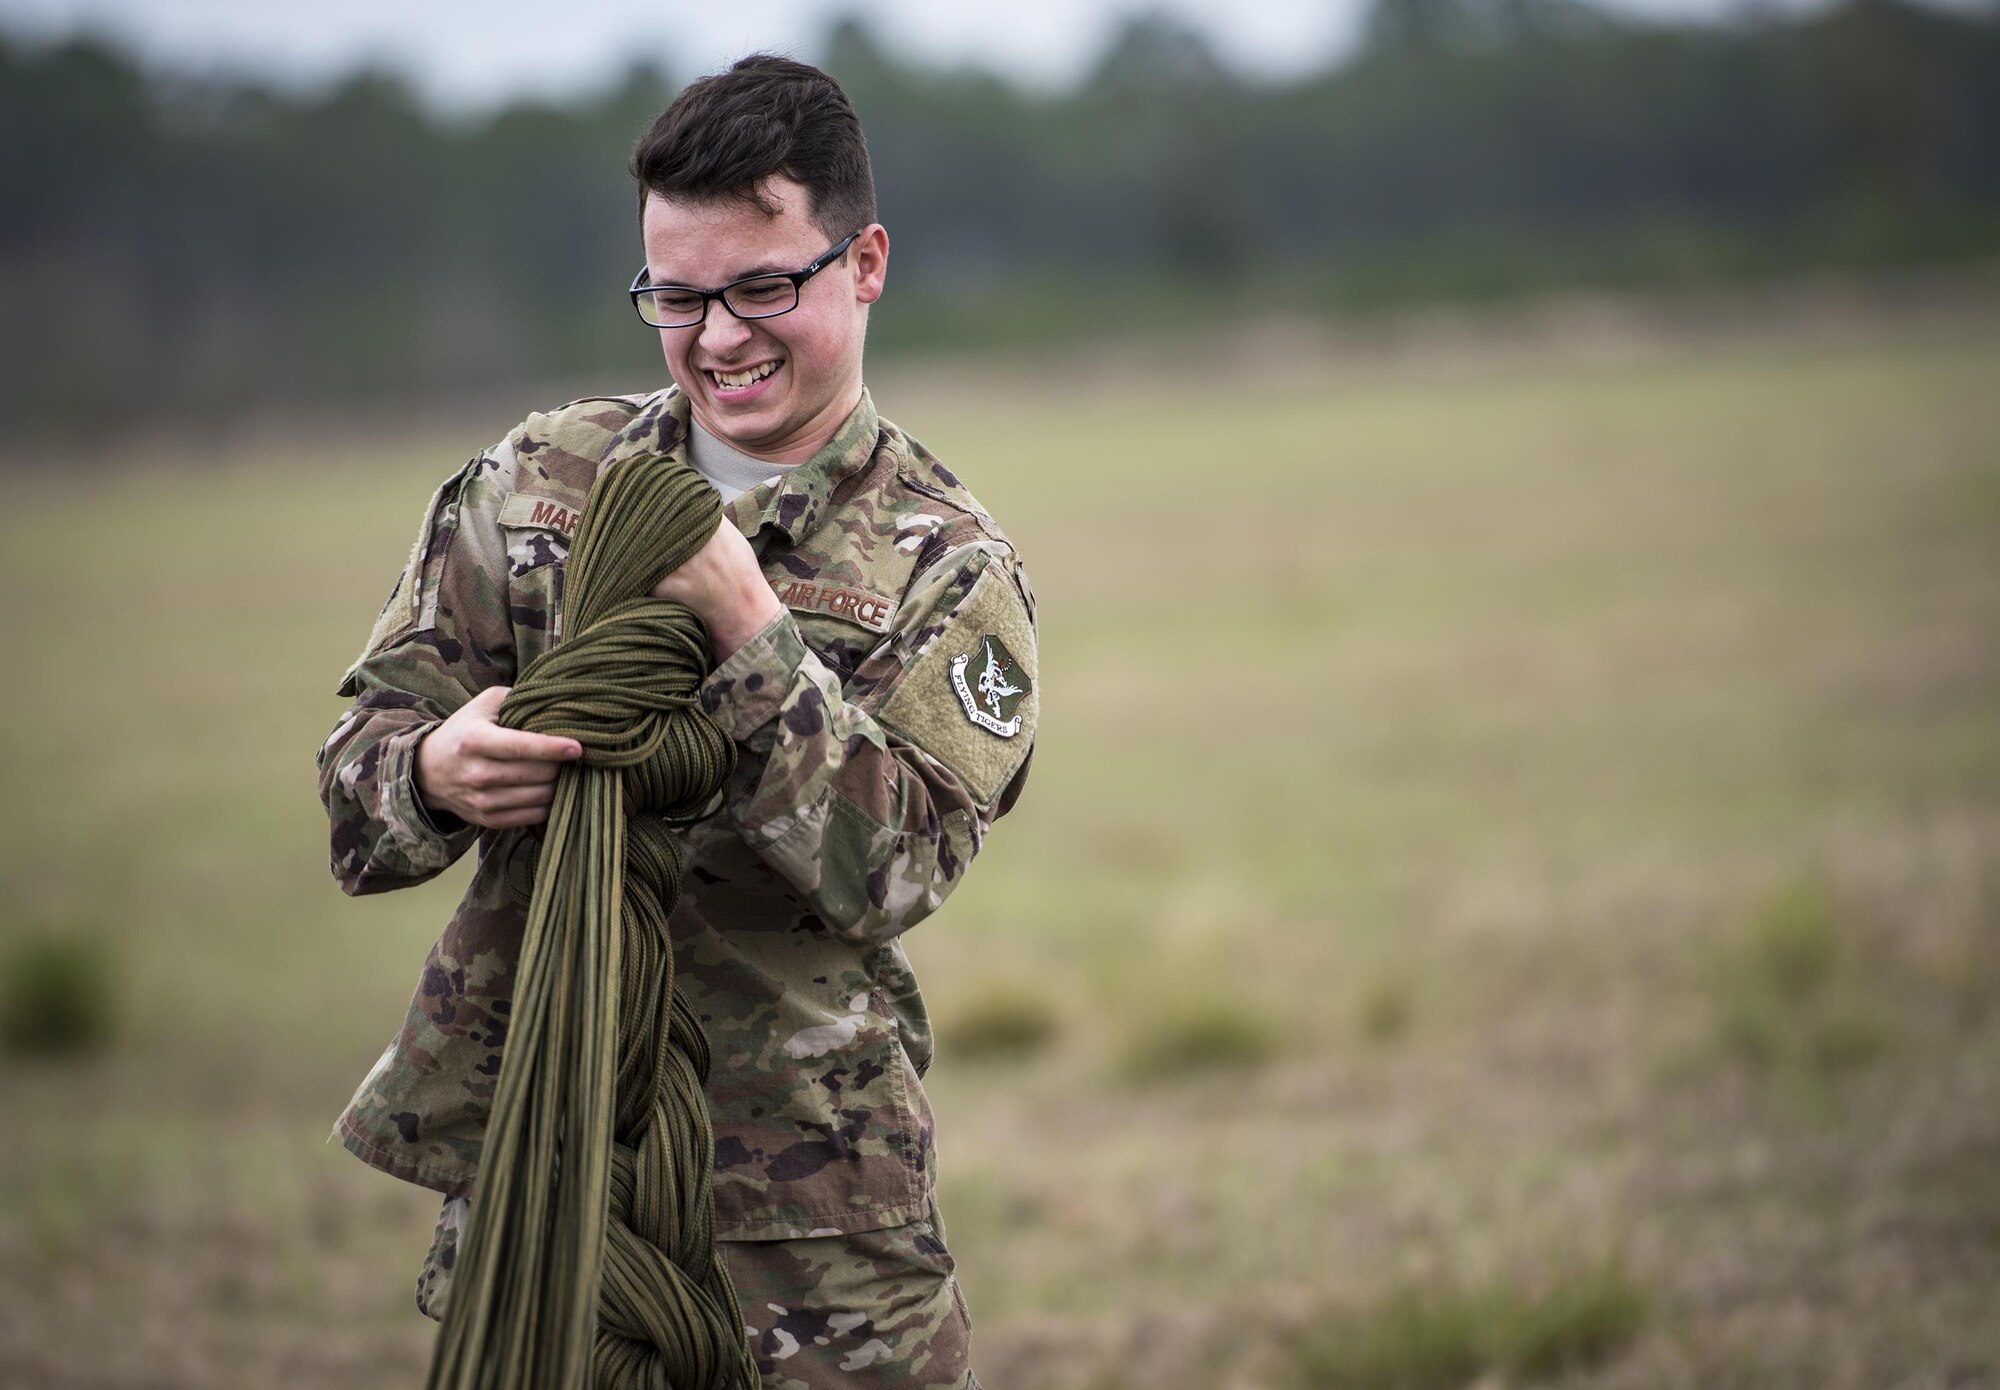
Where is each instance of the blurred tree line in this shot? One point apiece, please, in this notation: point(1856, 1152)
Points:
point(170, 245)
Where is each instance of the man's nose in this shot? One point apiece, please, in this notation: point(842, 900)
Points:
point(720, 330)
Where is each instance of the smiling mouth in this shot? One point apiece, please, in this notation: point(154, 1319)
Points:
point(749, 376)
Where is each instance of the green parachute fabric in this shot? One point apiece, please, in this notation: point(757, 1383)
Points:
point(589, 1254)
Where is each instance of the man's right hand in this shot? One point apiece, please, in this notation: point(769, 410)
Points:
point(486, 773)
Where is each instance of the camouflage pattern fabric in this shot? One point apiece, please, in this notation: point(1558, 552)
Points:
point(877, 1308)
point(884, 721)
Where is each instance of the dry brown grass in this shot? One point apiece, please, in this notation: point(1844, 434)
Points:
point(1461, 727)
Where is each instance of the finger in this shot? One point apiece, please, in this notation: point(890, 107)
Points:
point(486, 772)
point(488, 700)
point(512, 799)
point(507, 820)
point(498, 741)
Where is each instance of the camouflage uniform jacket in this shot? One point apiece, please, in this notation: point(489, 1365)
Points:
point(883, 721)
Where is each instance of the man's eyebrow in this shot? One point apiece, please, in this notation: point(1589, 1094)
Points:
point(765, 268)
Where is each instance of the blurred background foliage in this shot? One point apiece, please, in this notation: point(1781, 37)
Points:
point(175, 245)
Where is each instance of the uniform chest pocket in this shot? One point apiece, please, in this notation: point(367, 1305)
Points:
point(534, 602)
point(841, 645)
point(537, 532)
point(843, 609)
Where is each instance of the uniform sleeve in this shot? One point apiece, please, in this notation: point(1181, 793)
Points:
point(873, 796)
point(442, 637)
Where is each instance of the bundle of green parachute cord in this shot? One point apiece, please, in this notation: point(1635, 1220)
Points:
point(589, 1258)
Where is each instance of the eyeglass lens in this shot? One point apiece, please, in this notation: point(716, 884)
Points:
point(749, 299)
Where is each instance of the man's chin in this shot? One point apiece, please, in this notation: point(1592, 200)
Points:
point(747, 428)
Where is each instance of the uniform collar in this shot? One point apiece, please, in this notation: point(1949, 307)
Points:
point(792, 502)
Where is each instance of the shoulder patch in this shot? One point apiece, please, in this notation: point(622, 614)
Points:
point(971, 698)
point(991, 697)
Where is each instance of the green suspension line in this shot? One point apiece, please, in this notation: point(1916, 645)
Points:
point(589, 1256)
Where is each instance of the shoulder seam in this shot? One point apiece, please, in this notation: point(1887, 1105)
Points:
point(571, 429)
point(965, 503)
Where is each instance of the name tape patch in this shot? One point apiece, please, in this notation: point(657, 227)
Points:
point(871, 611)
point(541, 513)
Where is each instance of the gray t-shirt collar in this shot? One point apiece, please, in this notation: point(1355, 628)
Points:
point(731, 471)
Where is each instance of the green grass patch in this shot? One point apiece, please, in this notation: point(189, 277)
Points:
point(1200, 1036)
point(1007, 1022)
point(57, 995)
point(1794, 990)
point(1441, 1337)
point(1386, 1009)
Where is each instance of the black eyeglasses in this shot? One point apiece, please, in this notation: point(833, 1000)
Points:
point(755, 297)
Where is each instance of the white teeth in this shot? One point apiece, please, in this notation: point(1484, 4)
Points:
point(742, 379)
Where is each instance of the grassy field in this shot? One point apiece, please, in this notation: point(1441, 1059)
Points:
point(1509, 891)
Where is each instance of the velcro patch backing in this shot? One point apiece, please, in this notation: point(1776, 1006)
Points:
point(928, 708)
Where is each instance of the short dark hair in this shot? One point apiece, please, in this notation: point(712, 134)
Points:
point(727, 132)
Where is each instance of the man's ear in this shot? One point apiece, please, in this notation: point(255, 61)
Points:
point(871, 262)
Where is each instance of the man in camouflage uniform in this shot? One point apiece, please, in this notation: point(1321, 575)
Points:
point(875, 638)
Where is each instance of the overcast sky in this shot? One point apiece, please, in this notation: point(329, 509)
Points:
point(473, 54)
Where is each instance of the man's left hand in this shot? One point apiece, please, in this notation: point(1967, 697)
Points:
point(726, 588)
